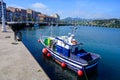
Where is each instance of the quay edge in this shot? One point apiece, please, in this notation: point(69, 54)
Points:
point(17, 63)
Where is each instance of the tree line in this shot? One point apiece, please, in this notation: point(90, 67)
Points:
point(113, 23)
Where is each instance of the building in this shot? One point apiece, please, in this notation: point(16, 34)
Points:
point(56, 18)
point(4, 7)
point(32, 15)
point(23, 15)
point(35, 16)
point(29, 14)
point(16, 14)
point(8, 15)
point(49, 19)
point(41, 17)
point(11, 14)
point(38, 16)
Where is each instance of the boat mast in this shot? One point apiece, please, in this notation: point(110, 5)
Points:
point(74, 29)
point(74, 22)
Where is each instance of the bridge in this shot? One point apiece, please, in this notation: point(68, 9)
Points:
point(22, 24)
point(31, 22)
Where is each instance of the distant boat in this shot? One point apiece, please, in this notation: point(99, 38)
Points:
point(27, 24)
point(36, 25)
point(67, 52)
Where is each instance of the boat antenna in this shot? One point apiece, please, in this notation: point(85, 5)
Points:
point(81, 45)
point(74, 29)
point(51, 26)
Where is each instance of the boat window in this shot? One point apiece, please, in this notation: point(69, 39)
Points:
point(74, 50)
point(82, 51)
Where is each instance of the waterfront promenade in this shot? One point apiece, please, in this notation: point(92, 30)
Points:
point(16, 62)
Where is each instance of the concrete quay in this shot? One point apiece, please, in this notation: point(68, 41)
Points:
point(16, 62)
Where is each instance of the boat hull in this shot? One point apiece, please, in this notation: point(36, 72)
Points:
point(72, 64)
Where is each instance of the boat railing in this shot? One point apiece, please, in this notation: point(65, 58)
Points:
point(95, 58)
point(43, 37)
point(74, 57)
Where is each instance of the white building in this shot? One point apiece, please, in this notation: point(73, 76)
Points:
point(57, 17)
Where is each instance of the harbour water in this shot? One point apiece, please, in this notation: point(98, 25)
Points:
point(100, 40)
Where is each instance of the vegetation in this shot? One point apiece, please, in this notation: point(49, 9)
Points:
point(114, 23)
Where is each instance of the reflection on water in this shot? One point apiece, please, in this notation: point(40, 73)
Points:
point(68, 74)
point(104, 41)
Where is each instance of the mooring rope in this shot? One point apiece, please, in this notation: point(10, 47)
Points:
point(85, 74)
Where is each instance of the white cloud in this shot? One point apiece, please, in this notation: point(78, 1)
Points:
point(16, 6)
point(39, 6)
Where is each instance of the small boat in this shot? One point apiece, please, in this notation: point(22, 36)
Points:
point(27, 24)
point(36, 25)
point(67, 52)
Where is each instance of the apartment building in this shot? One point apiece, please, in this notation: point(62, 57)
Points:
point(22, 15)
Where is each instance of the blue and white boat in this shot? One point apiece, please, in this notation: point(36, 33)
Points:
point(67, 51)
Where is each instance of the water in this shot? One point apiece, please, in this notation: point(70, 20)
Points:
point(103, 41)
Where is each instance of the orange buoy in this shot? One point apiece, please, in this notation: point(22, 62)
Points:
point(39, 41)
point(63, 65)
point(80, 72)
point(44, 51)
point(48, 55)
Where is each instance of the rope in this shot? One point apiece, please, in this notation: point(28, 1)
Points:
point(85, 74)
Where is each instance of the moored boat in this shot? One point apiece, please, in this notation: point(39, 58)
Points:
point(67, 51)
point(36, 25)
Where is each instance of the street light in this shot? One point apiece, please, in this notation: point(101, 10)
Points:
point(3, 18)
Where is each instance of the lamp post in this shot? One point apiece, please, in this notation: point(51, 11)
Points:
point(3, 18)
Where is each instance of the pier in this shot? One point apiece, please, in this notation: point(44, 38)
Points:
point(16, 62)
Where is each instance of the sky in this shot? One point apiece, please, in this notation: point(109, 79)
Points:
point(88, 9)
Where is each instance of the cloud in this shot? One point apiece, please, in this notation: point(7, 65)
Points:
point(16, 6)
point(39, 6)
